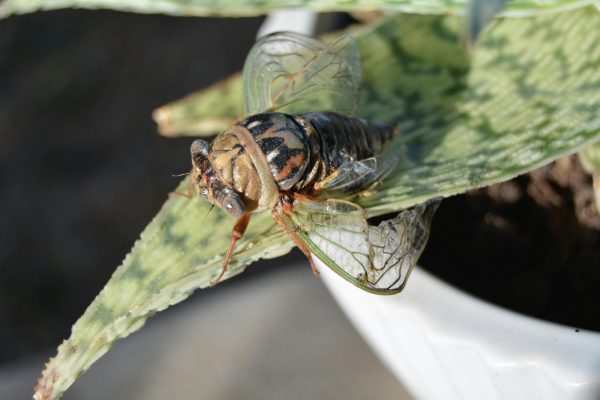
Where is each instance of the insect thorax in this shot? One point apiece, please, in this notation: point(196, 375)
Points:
point(260, 156)
point(284, 143)
point(231, 161)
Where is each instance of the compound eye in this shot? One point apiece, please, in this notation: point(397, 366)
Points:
point(199, 147)
point(199, 151)
point(234, 206)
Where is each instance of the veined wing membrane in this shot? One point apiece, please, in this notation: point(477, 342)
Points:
point(377, 259)
point(353, 176)
point(293, 73)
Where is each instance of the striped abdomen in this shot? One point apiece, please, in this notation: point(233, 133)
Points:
point(306, 148)
point(338, 139)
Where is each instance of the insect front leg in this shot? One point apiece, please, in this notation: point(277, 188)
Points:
point(188, 194)
point(301, 245)
point(236, 234)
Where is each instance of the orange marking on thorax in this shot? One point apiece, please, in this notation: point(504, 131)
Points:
point(291, 163)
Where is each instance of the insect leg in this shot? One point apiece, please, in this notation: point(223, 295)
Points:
point(301, 245)
point(236, 234)
point(188, 194)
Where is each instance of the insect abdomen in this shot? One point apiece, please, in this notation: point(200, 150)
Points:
point(346, 139)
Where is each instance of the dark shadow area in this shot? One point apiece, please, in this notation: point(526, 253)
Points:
point(530, 244)
point(82, 169)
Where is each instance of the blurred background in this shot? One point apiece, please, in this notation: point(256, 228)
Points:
point(82, 171)
point(82, 168)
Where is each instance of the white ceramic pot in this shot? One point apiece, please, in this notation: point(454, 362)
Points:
point(443, 343)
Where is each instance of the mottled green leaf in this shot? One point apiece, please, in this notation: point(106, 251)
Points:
point(203, 113)
point(238, 8)
point(175, 255)
point(528, 95)
point(217, 104)
point(590, 158)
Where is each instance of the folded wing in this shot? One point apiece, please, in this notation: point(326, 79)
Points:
point(377, 259)
point(292, 73)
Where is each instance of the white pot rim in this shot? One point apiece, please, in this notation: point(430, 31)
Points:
point(444, 343)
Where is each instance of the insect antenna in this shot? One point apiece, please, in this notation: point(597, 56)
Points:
point(178, 175)
point(209, 210)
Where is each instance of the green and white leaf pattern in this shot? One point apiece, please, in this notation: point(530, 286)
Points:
point(528, 95)
point(590, 158)
point(204, 113)
point(517, 105)
point(244, 8)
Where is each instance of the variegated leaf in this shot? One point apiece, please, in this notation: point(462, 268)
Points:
point(235, 8)
point(528, 95)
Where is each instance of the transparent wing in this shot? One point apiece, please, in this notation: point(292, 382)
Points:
point(353, 176)
point(293, 73)
point(377, 259)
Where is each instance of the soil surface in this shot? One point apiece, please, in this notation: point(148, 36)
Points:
point(531, 244)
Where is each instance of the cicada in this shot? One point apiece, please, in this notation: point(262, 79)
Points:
point(303, 156)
